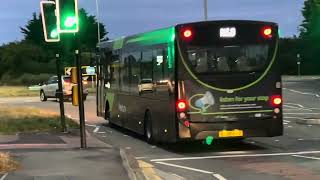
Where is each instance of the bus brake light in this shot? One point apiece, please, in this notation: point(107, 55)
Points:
point(276, 100)
point(267, 32)
point(187, 33)
point(181, 105)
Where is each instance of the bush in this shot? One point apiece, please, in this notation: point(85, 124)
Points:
point(25, 79)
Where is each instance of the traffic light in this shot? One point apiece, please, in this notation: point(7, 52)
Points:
point(68, 18)
point(49, 21)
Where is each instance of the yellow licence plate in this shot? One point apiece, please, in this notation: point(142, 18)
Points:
point(233, 133)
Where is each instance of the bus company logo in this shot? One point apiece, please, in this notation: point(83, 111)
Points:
point(206, 101)
point(122, 108)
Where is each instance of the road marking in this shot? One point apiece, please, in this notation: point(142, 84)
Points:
point(102, 132)
point(96, 129)
point(185, 167)
point(304, 93)
point(289, 126)
point(4, 176)
point(141, 157)
point(217, 176)
point(91, 125)
point(294, 104)
point(179, 177)
point(286, 121)
point(236, 156)
point(302, 113)
point(307, 157)
point(309, 125)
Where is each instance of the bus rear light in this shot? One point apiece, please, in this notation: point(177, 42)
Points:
point(186, 123)
point(276, 100)
point(187, 33)
point(181, 105)
point(277, 110)
point(267, 32)
point(182, 115)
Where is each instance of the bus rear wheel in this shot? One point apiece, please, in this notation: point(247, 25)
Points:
point(148, 128)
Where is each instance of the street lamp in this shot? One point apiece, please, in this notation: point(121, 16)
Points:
point(98, 18)
point(205, 4)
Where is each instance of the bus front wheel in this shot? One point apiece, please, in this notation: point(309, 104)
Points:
point(148, 128)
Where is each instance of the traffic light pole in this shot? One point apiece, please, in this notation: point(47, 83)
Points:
point(60, 95)
point(80, 94)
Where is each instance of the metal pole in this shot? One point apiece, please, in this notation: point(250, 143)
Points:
point(60, 95)
point(80, 94)
point(98, 18)
point(205, 10)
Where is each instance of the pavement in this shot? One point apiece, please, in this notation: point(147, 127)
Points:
point(57, 156)
point(295, 155)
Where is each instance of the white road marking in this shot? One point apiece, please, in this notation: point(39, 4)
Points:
point(102, 132)
point(179, 177)
point(307, 157)
point(289, 126)
point(217, 176)
point(286, 121)
point(4, 176)
point(185, 167)
point(91, 125)
point(236, 156)
point(309, 125)
point(299, 105)
point(304, 93)
point(276, 140)
point(301, 113)
point(300, 139)
point(128, 148)
point(140, 157)
point(96, 129)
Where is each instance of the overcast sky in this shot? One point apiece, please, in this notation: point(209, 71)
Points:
point(125, 17)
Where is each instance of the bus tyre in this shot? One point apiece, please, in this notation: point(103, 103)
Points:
point(148, 128)
point(43, 96)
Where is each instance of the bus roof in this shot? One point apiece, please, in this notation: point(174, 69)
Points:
point(161, 36)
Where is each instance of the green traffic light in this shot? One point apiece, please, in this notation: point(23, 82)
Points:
point(70, 21)
point(54, 33)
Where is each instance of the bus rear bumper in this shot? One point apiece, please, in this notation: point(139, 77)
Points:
point(254, 128)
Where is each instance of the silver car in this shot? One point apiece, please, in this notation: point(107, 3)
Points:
point(50, 88)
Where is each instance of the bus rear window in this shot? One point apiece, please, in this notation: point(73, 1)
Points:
point(244, 58)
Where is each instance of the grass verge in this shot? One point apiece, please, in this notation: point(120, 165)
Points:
point(16, 91)
point(7, 163)
point(27, 120)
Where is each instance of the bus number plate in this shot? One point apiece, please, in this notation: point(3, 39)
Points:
point(233, 133)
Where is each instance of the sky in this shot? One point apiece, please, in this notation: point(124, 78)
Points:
point(127, 17)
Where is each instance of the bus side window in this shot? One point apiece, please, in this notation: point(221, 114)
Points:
point(124, 74)
point(146, 83)
point(134, 71)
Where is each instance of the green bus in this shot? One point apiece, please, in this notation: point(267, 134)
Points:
point(193, 81)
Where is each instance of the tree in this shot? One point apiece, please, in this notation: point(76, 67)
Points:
point(310, 37)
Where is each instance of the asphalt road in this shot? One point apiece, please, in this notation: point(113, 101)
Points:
point(296, 155)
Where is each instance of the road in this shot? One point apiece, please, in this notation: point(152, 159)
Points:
point(296, 155)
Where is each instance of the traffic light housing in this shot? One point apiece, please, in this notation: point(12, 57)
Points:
point(49, 21)
point(68, 17)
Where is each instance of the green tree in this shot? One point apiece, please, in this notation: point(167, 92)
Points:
point(310, 37)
